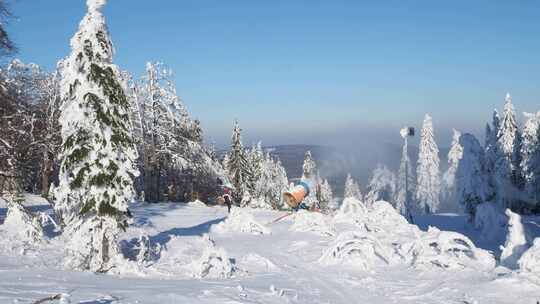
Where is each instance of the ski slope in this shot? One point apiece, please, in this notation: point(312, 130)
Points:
point(286, 262)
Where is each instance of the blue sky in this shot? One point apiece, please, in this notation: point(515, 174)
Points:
point(313, 71)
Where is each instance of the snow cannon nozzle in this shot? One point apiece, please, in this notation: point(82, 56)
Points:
point(407, 131)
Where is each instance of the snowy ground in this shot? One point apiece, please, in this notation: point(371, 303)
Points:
point(275, 264)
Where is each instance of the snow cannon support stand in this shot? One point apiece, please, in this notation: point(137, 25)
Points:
point(294, 198)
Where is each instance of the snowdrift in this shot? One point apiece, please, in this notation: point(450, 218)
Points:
point(359, 250)
point(241, 220)
point(21, 225)
point(383, 237)
point(255, 263)
point(446, 250)
point(516, 242)
point(196, 257)
point(350, 210)
point(530, 260)
point(305, 221)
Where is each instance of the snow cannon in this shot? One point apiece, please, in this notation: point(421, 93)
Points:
point(296, 195)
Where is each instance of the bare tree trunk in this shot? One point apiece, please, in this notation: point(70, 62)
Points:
point(45, 170)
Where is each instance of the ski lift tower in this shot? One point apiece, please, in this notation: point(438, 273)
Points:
point(407, 132)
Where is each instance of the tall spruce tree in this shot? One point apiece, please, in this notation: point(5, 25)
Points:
point(310, 175)
point(530, 156)
point(471, 179)
point(507, 163)
point(352, 189)
point(405, 184)
point(428, 186)
point(98, 154)
point(238, 165)
point(382, 186)
point(448, 192)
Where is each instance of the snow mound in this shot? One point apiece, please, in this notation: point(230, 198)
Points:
point(20, 224)
point(197, 203)
point(214, 262)
point(253, 262)
point(360, 250)
point(446, 250)
point(240, 220)
point(351, 209)
point(305, 221)
point(385, 214)
point(491, 222)
point(530, 260)
point(516, 242)
point(196, 257)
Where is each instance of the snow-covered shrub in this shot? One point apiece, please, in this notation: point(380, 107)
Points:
point(530, 260)
point(92, 245)
point(241, 220)
point(360, 250)
point(446, 250)
point(146, 251)
point(491, 222)
point(21, 224)
point(214, 262)
point(516, 242)
point(350, 210)
point(305, 221)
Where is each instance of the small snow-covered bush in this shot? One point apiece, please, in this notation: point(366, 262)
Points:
point(241, 220)
point(491, 222)
point(146, 251)
point(305, 221)
point(196, 257)
point(214, 262)
point(21, 224)
point(447, 250)
point(530, 260)
point(93, 245)
point(360, 250)
point(516, 242)
point(350, 210)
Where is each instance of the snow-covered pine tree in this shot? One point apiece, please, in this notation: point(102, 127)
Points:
point(238, 165)
point(530, 157)
point(428, 186)
point(310, 175)
point(309, 167)
point(381, 187)
point(326, 196)
point(491, 142)
point(98, 153)
point(255, 157)
point(352, 189)
point(470, 178)
point(448, 192)
point(506, 167)
point(405, 184)
point(271, 184)
point(534, 183)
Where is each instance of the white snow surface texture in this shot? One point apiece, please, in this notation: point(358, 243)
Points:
point(203, 255)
